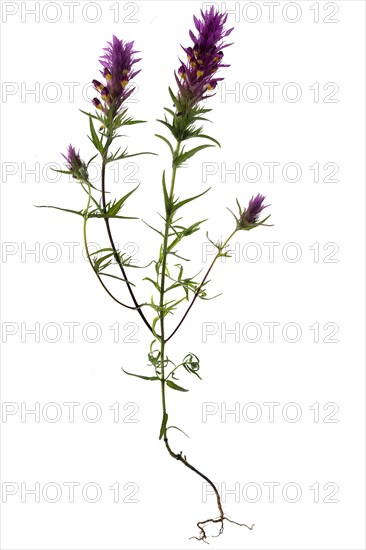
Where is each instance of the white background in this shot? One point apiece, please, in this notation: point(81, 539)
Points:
point(36, 289)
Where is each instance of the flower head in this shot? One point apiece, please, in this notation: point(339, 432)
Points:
point(204, 58)
point(117, 63)
point(250, 215)
point(76, 166)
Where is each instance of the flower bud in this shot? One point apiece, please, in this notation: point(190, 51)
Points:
point(97, 104)
point(98, 85)
point(75, 165)
point(250, 215)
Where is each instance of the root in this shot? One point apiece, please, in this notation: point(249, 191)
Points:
point(203, 524)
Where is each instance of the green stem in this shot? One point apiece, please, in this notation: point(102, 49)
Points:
point(168, 219)
point(196, 294)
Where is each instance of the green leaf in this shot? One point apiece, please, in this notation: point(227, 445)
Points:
point(129, 122)
point(166, 141)
point(101, 250)
point(172, 287)
point(201, 118)
point(257, 224)
point(174, 99)
point(210, 138)
point(140, 375)
point(98, 263)
point(116, 277)
point(163, 425)
point(116, 207)
point(212, 297)
point(203, 111)
point(95, 156)
point(169, 111)
point(192, 364)
point(94, 137)
point(83, 183)
point(156, 285)
point(185, 232)
point(79, 212)
point(112, 216)
point(61, 171)
point(180, 257)
point(174, 386)
point(88, 114)
point(166, 197)
point(182, 203)
point(151, 227)
point(171, 128)
point(123, 156)
point(188, 154)
point(143, 153)
point(155, 320)
point(114, 156)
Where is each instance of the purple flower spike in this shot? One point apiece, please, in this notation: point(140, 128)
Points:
point(118, 71)
point(72, 158)
point(74, 164)
point(249, 217)
point(204, 59)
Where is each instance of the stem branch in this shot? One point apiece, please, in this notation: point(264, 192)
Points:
point(88, 253)
point(196, 294)
point(113, 246)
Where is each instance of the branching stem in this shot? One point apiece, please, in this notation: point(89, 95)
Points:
point(196, 294)
point(113, 246)
point(86, 246)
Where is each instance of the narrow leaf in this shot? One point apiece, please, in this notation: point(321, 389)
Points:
point(166, 124)
point(166, 198)
point(151, 227)
point(116, 277)
point(210, 138)
point(156, 285)
point(80, 212)
point(143, 153)
point(98, 263)
point(101, 250)
point(94, 137)
point(188, 154)
point(182, 203)
point(166, 141)
point(163, 425)
point(115, 208)
point(174, 386)
point(112, 216)
point(95, 156)
point(174, 99)
point(123, 156)
point(61, 171)
point(140, 375)
point(129, 122)
point(89, 114)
